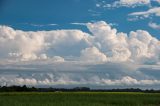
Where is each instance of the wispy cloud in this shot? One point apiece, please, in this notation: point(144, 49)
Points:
point(153, 11)
point(38, 25)
point(154, 25)
point(85, 24)
point(123, 3)
point(94, 12)
point(76, 23)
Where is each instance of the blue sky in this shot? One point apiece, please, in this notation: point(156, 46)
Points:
point(66, 43)
point(26, 14)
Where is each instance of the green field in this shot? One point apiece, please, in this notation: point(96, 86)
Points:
point(79, 99)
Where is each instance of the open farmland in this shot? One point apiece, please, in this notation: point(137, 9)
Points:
point(79, 99)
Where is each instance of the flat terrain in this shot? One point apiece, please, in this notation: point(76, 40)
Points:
point(79, 99)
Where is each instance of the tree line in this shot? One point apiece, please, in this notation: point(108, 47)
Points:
point(24, 88)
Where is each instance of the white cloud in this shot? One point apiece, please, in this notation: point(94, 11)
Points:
point(107, 56)
point(145, 14)
point(76, 23)
point(53, 80)
point(30, 45)
point(93, 55)
point(38, 25)
point(81, 74)
point(105, 42)
point(119, 47)
point(132, 3)
point(86, 24)
point(58, 59)
point(127, 80)
point(154, 25)
point(124, 3)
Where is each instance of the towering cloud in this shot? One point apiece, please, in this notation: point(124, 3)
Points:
point(105, 44)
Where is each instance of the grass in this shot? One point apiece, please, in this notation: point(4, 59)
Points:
point(79, 99)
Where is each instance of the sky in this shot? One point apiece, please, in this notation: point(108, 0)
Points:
point(68, 43)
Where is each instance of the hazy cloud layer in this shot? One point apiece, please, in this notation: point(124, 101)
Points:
point(92, 81)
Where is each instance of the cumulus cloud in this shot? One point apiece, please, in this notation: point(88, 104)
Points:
point(34, 45)
point(93, 54)
point(78, 52)
point(103, 44)
point(118, 47)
